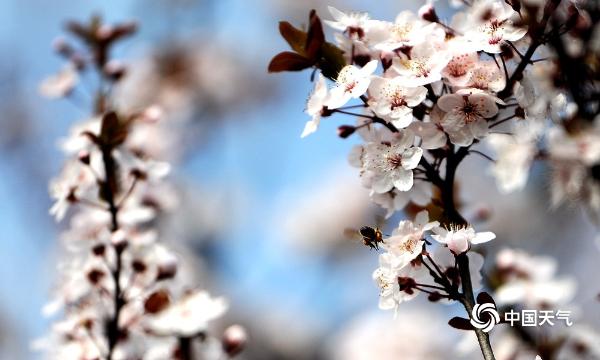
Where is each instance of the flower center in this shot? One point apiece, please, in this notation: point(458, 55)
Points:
point(395, 160)
point(400, 31)
point(470, 112)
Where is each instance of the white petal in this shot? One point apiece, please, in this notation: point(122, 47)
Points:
point(411, 158)
point(336, 14)
point(483, 237)
point(450, 102)
point(338, 97)
point(311, 126)
point(404, 180)
point(369, 67)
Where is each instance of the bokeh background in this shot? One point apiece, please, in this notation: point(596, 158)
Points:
point(264, 211)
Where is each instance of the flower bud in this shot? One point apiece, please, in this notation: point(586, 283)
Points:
point(119, 240)
point(152, 114)
point(427, 12)
point(84, 157)
point(114, 70)
point(345, 130)
point(234, 340)
point(157, 302)
point(61, 46)
point(104, 32)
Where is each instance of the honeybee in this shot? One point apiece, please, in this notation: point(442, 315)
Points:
point(370, 236)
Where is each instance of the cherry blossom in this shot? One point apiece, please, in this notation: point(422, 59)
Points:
point(459, 70)
point(352, 82)
point(397, 284)
point(395, 200)
point(314, 106)
point(424, 65)
point(515, 155)
point(61, 84)
point(407, 30)
point(487, 76)
point(189, 316)
point(406, 241)
point(466, 116)
point(354, 24)
point(392, 101)
point(488, 24)
point(389, 165)
point(531, 280)
point(459, 239)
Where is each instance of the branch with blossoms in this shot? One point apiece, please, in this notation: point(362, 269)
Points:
point(426, 93)
point(120, 293)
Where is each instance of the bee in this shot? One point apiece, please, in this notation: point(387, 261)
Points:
point(369, 236)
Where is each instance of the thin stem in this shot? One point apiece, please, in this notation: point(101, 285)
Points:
point(108, 187)
point(185, 348)
point(468, 301)
point(536, 40)
point(454, 217)
point(482, 154)
point(432, 286)
point(351, 113)
point(129, 191)
point(502, 121)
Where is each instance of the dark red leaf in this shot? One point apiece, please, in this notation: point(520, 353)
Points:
point(289, 61)
point(315, 37)
point(460, 323)
point(484, 298)
point(296, 38)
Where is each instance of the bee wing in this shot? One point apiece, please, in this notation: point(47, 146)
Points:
point(380, 221)
point(352, 234)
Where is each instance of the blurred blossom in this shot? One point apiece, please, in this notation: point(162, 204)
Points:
point(377, 336)
point(60, 84)
point(342, 204)
point(193, 79)
point(531, 281)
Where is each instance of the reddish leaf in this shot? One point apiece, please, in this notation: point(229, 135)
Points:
point(289, 61)
point(333, 60)
point(460, 323)
point(296, 38)
point(484, 298)
point(315, 37)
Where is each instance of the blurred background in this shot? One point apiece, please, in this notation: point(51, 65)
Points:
point(262, 210)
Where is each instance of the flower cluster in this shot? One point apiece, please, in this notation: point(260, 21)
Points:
point(120, 293)
point(520, 77)
point(406, 266)
point(528, 282)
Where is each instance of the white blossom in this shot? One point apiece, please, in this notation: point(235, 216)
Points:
point(424, 65)
point(352, 82)
point(389, 165)
point(459, 239)
point(189, 316)
point(406, 241)
point(488, 24)
point(314, 106)
point(466, 116)
point(61, 84)
point(391, 100)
